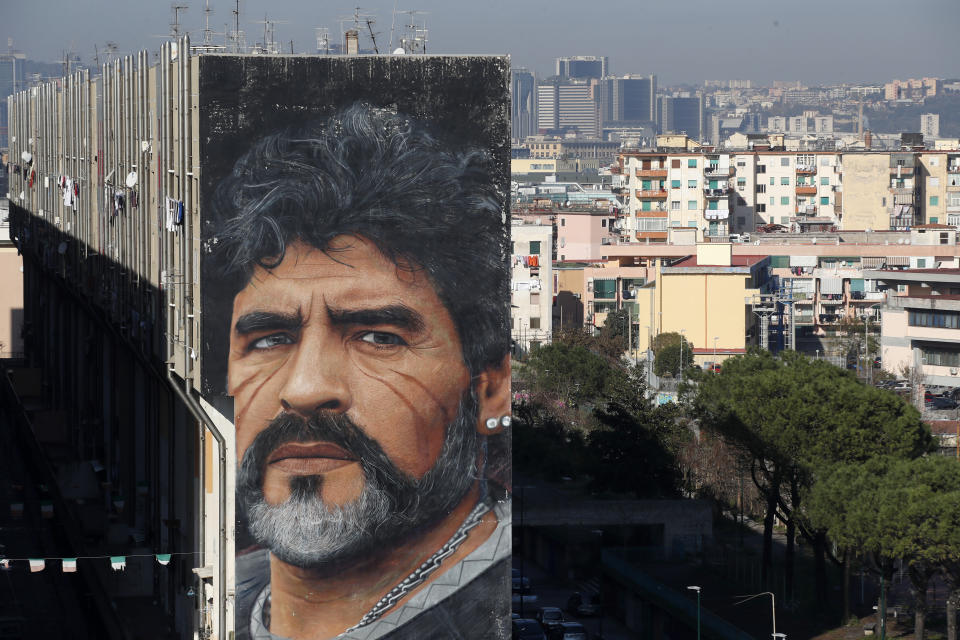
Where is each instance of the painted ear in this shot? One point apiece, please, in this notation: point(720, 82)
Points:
point(493, 396)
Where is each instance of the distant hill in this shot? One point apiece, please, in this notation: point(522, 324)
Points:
point(887, 119)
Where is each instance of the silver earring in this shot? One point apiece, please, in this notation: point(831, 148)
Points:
point(492, 423)
point(505, 421)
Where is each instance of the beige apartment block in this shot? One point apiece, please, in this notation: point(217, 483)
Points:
point(531, 284)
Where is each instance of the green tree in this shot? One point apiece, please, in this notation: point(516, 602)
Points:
point(889, 508)
point(613, 338)
point(794, 416)
point(666, 339)
point(671, 358)
point(570, 374)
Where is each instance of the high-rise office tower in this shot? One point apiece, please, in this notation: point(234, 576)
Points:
point(629, 99)
point(583, 67)
point(683, 115)
point(523, 103)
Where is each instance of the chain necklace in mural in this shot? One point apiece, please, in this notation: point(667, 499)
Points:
point(421, 573)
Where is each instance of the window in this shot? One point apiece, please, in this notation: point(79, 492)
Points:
point(784, 162)
point(691, 184)
point(692, 163)
point(824, 199)
point(692, 223)
point(944, 238)
point(941, 356)
point(773, 201)
point(534, 323)
point(741, 183)
point(761, 188)
point(563, 242)
point(785, 220)
point(785, 181)
point(674, 184)
point(691, 205)
point(741, 163)
point(534, 247)
point(934, 182)
point(534, 298)
point(563, 222)
point(675, 164)
point(674, 205)
point(825, 181)
point(773, 181)
point(883, 202)
point(761, 168)
point(934, 319)
point(934, 220)
point(921, 263)
point(761, 208)
point(784, 199)
point(934, 201)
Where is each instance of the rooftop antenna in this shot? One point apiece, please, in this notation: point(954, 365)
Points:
point(269, 44)
point(236, 37)
point(414, 39)
point(175, 25)
point(323, 40)
point(207, 33)
point(393, 23)
point(368, 19)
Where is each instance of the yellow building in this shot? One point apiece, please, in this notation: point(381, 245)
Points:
point(706, 298)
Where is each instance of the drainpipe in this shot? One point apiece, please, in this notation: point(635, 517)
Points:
point(201, 417)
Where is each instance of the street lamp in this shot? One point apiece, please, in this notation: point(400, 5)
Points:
point(697, 589)
point(600, 582)
point(715, 338)
point(682, 331)
point(773, 609)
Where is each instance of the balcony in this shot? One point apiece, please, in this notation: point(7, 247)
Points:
point(660, 194)
point(806, 190)
point(717, 193)
point(807, 210)
point(644, 213)
point(806, 170)
point(714, 171)
point(651, 173)
point(716, 214)
point(901, 171)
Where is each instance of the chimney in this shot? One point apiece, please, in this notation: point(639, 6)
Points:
point(867, 139)
point(353, 42)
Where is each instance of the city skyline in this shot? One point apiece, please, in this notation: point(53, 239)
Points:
point(826, 43)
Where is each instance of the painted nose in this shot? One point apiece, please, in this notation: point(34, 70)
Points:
point(315, 382)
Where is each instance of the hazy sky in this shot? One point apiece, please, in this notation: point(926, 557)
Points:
point(814, 41)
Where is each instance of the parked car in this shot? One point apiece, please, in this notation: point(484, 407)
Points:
point(568, 631)
point(521, 584)
point(940, 403)
point(549, 617)
point(527, 629)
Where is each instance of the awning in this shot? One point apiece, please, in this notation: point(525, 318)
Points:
point(856, 285)
point(898, 261)
point(803, 261)
point(873, 263)
point(831, 285)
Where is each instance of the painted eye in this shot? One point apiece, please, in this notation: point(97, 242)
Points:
point(271, 341)
point(382, 339)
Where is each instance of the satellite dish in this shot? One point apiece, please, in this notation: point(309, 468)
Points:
point(398, 51)
point(132, 179)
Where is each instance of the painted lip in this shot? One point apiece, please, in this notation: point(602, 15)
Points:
point(298, 458)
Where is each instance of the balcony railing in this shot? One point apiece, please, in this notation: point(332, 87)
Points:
point(712, 170)
point(717, 193)
point(651, 173)
point(806, 190)
point(716, 214)
point(807, 210)
point(651, 193)
point(806, 170)
point(901, 171)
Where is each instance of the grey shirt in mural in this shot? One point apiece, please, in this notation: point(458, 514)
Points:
point(469, 601)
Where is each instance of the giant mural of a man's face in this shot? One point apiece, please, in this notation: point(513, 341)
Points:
point(368, 366)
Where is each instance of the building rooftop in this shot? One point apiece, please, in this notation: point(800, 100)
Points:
point(735, 261)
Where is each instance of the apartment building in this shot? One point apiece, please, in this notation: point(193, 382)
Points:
point(921, 323)
point(586, 234)
point(531, 284)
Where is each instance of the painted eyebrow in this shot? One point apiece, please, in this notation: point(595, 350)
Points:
point(397, 315)
point(257, 321)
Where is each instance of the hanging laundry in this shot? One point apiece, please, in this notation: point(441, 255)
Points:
point(4, 564)
point(119, 563)
point(69, 565)
point(134, 199)
point(68, 192)
point(33, 177)
point(170, 214)
point(36, 564)
point(163, 558)
point(180, 213)
point(118, 202)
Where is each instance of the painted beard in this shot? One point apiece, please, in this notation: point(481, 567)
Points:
point(308, 533)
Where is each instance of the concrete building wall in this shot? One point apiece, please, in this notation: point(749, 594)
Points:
point(11, 302)
point(866, 179)
point(583, 235)
point(531, 286)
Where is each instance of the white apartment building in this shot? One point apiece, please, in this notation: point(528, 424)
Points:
point(531, 284)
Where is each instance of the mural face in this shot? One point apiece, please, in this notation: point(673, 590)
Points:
point(355, 301)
